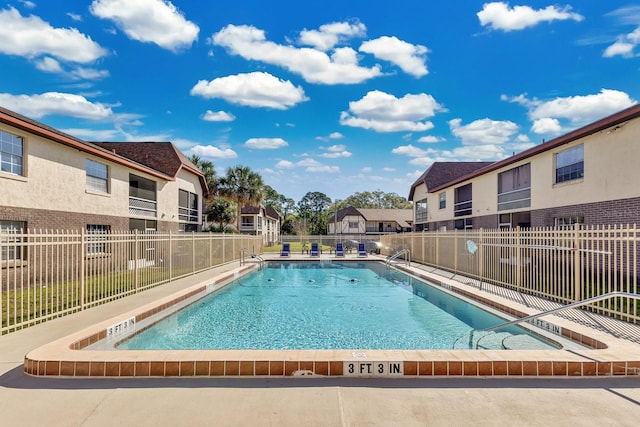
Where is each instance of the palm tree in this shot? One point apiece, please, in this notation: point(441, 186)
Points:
point(206, 167)
point(242, 186)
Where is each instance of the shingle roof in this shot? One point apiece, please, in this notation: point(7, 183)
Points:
point(163, 168)
point(161, 156)
point(441, 173)
point(403, 217)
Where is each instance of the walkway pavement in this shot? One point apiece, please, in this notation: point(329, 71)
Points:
point(27, 401)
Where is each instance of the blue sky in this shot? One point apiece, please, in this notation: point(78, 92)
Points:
point(334, 96)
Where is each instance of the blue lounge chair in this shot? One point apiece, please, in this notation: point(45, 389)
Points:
point(339, 250)
point(315, 250)
point(286, 249)
point(361, 250)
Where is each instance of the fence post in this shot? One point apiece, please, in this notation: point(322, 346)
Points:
point(480, 254)
point(83, 247)
point(193, 252)
point(438, 247)
point(170, 256)
point(455, 251)
point(576, 262)
point(519, 265)
point(136, 256)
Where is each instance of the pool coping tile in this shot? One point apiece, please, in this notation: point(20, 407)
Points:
point(71, 357)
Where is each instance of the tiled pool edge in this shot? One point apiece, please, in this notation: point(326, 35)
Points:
point(61, 358)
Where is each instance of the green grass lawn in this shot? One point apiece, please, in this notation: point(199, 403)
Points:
point(296, 247)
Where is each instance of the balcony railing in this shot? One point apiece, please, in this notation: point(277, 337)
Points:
point(143, 207)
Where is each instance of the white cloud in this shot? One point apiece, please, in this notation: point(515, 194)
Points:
point(483, 131)
point(74, 16)
point(410, 58)
point(31, 37)
point(48, 65)
point(27, 4)
point(624, 45)
point(329, 35)
point(367, 169)
point(218, 116)
point(285, 164)
point(410, 150)
point(309, 165)
point(499, 16)
point(313, 65)
point(155, 21)
point(255, 89)
point(50, 103)
point(336, 151)
point(265, 143)
point(430, 139)
point(210, 151)
point(383, 112)
point(336, 135)
point(546, 125)
point(581, 109)
point(93, 134)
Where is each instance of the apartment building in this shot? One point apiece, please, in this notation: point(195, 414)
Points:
point(587, 176)
point(352, 220)
point(50, 180)
point(262, 221)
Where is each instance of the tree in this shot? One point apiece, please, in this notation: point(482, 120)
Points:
point(221, 212)
point(206, 167)
point(242, 186)
point(312, 207)
point(372, 200)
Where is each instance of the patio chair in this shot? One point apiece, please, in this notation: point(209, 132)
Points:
point(315, 250)
point(361, 250)
point(286, 250)
point(339, 250)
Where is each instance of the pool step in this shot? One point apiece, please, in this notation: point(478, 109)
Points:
point(492, 341)
point(523, 342)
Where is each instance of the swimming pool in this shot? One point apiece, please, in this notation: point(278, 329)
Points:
point(84, 353)
point(329, 305)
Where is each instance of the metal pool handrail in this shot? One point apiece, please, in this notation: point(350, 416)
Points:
point(564, 307)
point(544, 313)
point(397, 255)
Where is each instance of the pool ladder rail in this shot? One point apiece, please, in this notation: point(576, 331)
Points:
point(403, 252)
point(544, 313)
point(252, 255)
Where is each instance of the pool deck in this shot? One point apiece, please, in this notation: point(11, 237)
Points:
point(612, 398)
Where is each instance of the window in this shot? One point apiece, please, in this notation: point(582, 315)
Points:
point(464, 224)
point(443, 200)
point(142, 188)
point(421, 211)
point(11, 153)
point(353, 224)
point(514, 188)
point(462, 204)
point(246, 221)
point(566, 222)
point(514, 219)
point(97, 238)
point(11, 245)
point(187, 206)
point(184, 227)
point(570, 164)
point(142, 196)
point(97, 178)
point(144, 225)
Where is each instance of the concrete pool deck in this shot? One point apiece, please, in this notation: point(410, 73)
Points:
point(340, 401)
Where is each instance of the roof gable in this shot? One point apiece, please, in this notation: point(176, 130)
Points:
point(440, 173)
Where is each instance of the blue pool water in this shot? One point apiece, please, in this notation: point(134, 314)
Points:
point(288, 305)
